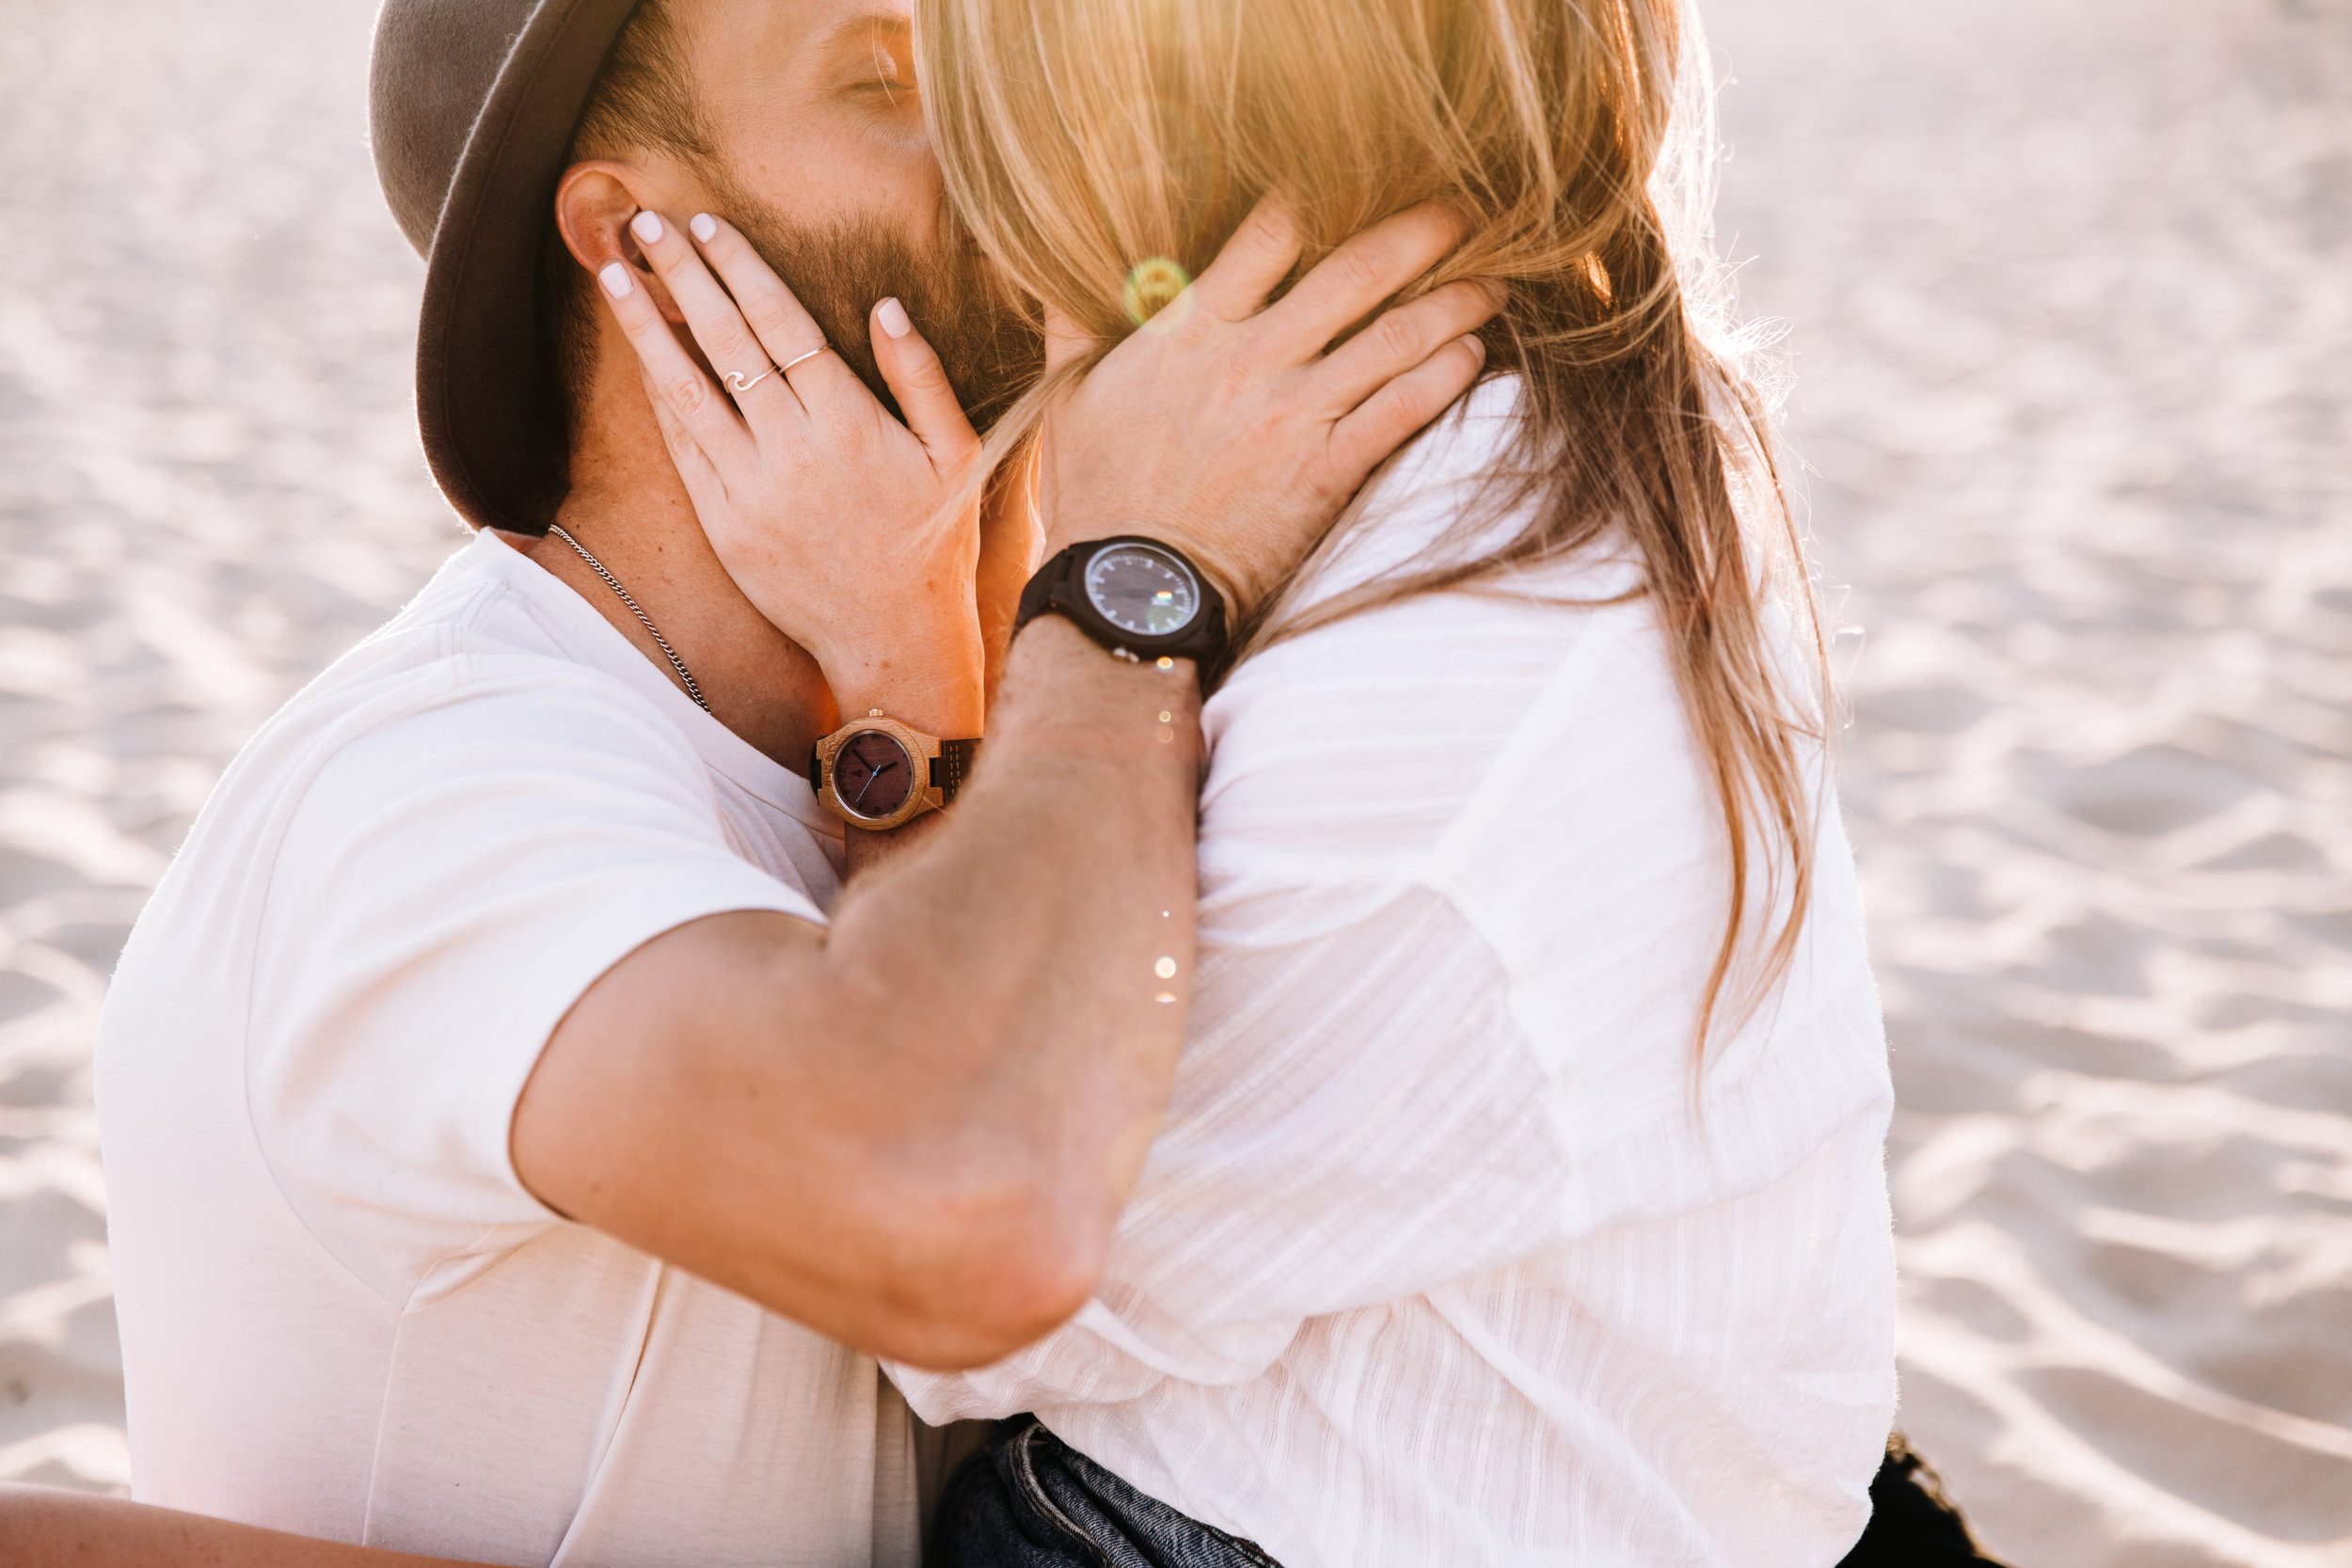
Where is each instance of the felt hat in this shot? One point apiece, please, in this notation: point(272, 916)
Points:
point(471, 106)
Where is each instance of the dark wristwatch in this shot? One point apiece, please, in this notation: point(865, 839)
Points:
point(1138, 597)
point(876, 773)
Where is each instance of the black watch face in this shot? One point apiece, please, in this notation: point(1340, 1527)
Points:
point(1142, 590)
point(872, 773)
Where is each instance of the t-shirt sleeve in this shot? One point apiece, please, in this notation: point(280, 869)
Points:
point(449, 882)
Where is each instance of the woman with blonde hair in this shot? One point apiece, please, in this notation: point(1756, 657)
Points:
point(1521, 1195)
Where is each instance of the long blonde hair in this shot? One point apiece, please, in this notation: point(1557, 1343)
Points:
point(1088, 143)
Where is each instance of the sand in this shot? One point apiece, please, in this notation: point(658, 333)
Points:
point(2070, 286)
point(2071, 283)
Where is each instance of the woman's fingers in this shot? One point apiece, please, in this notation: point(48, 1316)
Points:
point(678, 383)
point(785, 330)
point(1345, 286)
point(726, 342)
point(1384, 420)
point(1258, 256)
point(1402, 339)
point(920, 384)
point(703, 485)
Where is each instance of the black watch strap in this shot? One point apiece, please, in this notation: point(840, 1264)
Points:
point(1044, 587)
point(952, 766)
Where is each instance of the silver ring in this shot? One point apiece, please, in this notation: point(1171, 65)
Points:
point(810, 355)
point(737, 384)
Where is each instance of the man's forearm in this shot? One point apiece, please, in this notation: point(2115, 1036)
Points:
point(1056, 908)
point(1025, 971)
point(52, 1529)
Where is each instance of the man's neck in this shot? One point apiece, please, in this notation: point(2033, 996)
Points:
point(629, 508)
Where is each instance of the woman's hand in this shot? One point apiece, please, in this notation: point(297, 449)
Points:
point(1224, 428)
point(823, 509)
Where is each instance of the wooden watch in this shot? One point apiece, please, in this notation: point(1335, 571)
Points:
point(877, 774)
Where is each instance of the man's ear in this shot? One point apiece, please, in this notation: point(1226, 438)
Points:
point(593, 202)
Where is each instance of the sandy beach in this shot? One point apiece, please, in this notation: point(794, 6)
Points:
point(2069, 287)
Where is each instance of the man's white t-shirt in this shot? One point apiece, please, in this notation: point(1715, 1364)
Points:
point(342, 1312)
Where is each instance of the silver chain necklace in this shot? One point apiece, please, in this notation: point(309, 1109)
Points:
point(615, 583)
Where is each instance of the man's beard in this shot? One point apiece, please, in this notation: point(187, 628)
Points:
point(990, 349)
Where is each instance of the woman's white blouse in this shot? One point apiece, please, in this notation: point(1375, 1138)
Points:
point(1434, 1261)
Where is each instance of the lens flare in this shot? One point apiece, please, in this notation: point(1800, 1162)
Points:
point(1151, 285)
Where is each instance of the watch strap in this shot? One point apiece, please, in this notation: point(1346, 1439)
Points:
point(1038, 594)
point(952, 766)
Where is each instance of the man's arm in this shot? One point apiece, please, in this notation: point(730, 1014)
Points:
point(44, 1527)
point(912, 1131)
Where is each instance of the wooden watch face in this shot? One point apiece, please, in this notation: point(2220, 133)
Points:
point(873, 775)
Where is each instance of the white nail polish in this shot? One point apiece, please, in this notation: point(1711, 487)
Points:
point(615, 280)
point(646, 226)
point(893, 317)
point(704, 226)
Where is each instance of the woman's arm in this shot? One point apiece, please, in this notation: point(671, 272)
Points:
point(45, 1526)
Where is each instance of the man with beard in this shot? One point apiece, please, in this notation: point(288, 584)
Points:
point(518, 1146)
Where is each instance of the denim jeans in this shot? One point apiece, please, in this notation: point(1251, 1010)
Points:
point(1031, 1501)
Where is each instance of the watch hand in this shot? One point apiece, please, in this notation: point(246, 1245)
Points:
point(869, 780)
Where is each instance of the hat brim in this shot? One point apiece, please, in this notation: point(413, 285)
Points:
point(487, 408)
